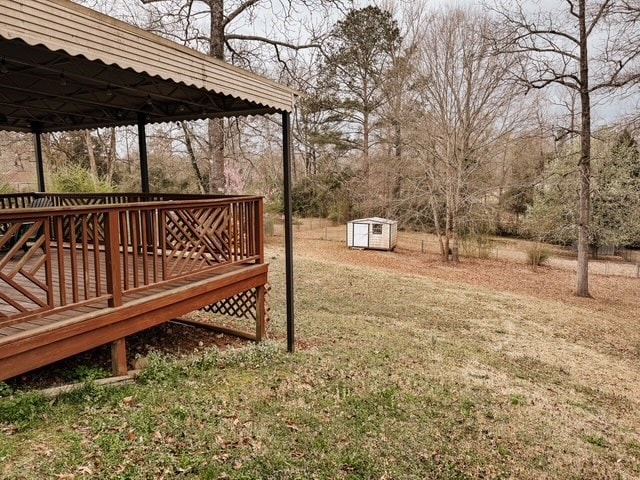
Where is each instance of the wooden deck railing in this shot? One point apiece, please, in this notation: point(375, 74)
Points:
point(91, 248)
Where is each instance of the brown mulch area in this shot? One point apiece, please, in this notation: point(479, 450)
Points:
point(172, 338)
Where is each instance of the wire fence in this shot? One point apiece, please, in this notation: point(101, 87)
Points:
point(516, 251)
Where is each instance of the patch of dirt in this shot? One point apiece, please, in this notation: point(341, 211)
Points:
point(173, 338)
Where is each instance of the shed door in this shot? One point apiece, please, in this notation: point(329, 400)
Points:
point(360, 235)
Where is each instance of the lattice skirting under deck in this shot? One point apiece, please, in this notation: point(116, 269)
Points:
point(250, 305)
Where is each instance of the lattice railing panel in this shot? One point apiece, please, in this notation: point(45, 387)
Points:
point(94, 249)
point(195, 238)
point(23, 267)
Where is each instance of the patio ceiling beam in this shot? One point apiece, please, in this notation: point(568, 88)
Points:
point(111, 90)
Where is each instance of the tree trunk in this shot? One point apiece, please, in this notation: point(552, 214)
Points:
point(202, 183)
point(112, 155)
point(91, 154)
point(447, 228)
point(217, 182)
point(436, 224)
point(455, 256)
point(365, 129)
point(396, 172)
point(582, 287)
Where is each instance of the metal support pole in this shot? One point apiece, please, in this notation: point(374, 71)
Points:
point(39, 160)
point(288, 227)
point(144, 165)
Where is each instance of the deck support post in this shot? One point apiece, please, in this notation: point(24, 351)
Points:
point(142, 146)
point(112, 262)
point(260, 313)
point(119, 358)
point(288, 227)
point(37, 134)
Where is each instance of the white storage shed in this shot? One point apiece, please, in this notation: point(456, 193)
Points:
point(372, 233)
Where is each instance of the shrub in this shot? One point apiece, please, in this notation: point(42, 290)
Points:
point(537, 255)
point(268, 226)
point(76, 179)
point(477, 245)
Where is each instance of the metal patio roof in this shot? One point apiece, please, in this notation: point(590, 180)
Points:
point(66, 67)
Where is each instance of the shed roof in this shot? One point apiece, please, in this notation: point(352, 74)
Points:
point(375, 220)
point(64, 66)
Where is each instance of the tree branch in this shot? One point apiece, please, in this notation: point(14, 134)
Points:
point(255, 38)
point(229, 18)
point(572, 8)
point(531, 31)
point(603, 8)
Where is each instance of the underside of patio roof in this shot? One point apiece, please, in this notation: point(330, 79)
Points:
point(66, 67)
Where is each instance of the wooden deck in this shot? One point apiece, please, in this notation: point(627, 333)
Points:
point(97, 274)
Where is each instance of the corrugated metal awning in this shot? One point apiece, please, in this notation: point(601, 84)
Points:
point(64, 66)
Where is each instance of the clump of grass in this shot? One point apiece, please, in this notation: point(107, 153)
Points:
point(5, 390)
point(634, 449)
point(518, 399)
point(252, 356)
point(22, 409)
point(537, 255)
point(161, 369)
point(87, 374)
point(596, 440)
point(207, 360)
point(467, 407)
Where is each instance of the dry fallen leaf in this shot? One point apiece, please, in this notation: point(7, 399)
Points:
point(86, 470)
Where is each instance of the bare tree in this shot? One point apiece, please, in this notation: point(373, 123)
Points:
point(218, 28)
point(587, 46)
point(468, 111)
point(400, 106)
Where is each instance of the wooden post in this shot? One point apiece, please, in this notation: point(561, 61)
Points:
point(261, 324)
point(119, 358)
point(112, 260)
point(260, 224)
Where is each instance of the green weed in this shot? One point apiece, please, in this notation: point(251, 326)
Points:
point(596, 440)
point(23, 409)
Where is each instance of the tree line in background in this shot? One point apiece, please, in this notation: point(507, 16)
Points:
point(464, 122)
